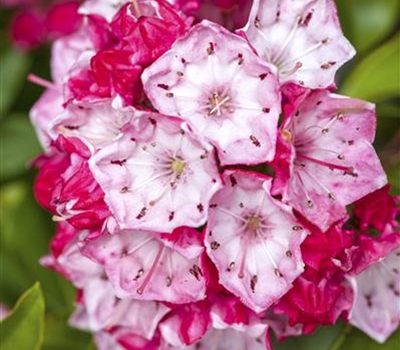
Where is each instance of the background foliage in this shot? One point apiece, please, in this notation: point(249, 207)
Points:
point(39, 318)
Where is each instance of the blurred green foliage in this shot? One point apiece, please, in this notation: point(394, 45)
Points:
point(374, 75)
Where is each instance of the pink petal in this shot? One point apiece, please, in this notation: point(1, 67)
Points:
point(200, 80)
point(376, 309)
point(140, 266)
point(302, 39)
point(253, 240)
point(334, 162)
point(159, 183)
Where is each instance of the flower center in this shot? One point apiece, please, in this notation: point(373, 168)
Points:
point(178, 166)
point(217, 102)
point(253, 223)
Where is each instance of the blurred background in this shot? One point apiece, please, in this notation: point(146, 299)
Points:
point(372, 26)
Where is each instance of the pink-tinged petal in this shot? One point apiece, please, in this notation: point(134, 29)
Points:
point(43, 112)
point(186, 324)
point(230, 338)
point(101, 309)
point(159, 183)
point(96, 123)
point(253, 240)
point(334, 162)
point(281, 327)
point(377, 209)
point(302, 39)
point(140, 266)
point(104, 8)
point(201, 80)
point(27, 29)
point(62, 19)
point(376, 309)
point(65, 185)
point(315, 300)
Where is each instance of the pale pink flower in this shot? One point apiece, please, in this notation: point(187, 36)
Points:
point(254, 240)
point(334, 163)
point(376, 309)
point(157, 178)
point(148, 266)
point(302, 39)
point(201, 81)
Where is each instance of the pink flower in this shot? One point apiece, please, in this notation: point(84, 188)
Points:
point(158, 177)
point(376, 309)
point(66, 186)
point(302, 39)
point(199, 80)
point(253, 240)
point(148, 266)
point(378, 210)
point(334, 163)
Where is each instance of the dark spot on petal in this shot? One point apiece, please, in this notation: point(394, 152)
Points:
point(196, 272)
point(212, 205)
point(183, 60)
point(328, 65)
point(233, 180)
point(152, 121)
point(297, 228)
point(214, 245)
point(241, 205)
point(278, 273)
point(142, 213)
point(210, 48)
point(307, 19)
point(118, 162)
point(263, 76)
point(319, 102)
point(163, 86)
point(253, 283)
point(255, 141)
point(169, 94)
point(257, 22)
point(230, 267)
point(289, 254)
point(241, 59)
point(169, 281)
point(200, 208)
point(179, 73)
point(266, 110)
point(171, 216)
point(139, 274)
point(123, 189)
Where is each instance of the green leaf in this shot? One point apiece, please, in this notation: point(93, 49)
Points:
point(13, 71)
point(25, 236)
point(352, 338)
point(367, 22)
point(23, 329)
point(19, 145)
point(60, 336)
point(377, 77)
point(321, 339)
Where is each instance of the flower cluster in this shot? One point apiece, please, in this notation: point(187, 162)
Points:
point(209, 187)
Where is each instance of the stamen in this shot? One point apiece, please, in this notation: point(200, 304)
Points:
point(153, 267)
point(323, 163)
point(42, 82)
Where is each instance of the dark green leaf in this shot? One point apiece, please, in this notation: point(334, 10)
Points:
point(352, 338)
point(60, 336)
point(377, 77)
point(18, 145)
point(367, 22)
point(25, 236)
point(321, 339)
point(23, 328)
point(14, 68)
